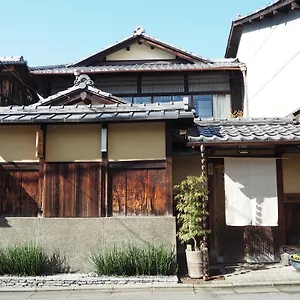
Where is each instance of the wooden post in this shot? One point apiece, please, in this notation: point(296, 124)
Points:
point(169, 194)
point(280, 194)
point(105, 205)
point(40, 153)
point(204, 221)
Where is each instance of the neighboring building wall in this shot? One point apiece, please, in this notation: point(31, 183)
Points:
point(76, 238)
point(271, 52)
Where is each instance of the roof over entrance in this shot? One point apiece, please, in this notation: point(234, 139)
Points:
point(244, 130)
point(82, 92)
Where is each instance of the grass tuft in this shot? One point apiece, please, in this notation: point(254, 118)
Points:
point(132, 260)
point(29, 260)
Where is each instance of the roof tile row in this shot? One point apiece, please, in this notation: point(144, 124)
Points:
point(251, 130)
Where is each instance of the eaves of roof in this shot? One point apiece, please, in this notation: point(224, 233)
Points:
point(244, 131)
point(237, 24)
point(143, 67)
point(37, 114)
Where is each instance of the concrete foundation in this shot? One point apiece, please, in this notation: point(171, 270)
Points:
point(77, 237)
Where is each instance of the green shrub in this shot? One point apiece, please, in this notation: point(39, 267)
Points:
point(22, 260)
point(29, 260)
point(132, 260)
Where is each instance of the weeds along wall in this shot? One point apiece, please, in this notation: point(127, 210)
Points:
point(75, 238)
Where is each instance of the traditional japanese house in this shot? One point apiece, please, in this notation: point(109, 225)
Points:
point(142, 69)
point(94, 161)
point(84, 176)
point(16, 83)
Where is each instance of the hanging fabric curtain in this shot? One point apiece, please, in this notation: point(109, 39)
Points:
point(250, 191)
point(221, 106)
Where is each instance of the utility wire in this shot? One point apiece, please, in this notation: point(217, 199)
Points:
point(266, 39)
point(281, 69)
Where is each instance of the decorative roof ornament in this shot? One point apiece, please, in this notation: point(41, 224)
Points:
point(139, 30)
point(83, 80)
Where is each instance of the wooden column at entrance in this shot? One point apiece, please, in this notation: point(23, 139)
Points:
point(280, 195)
point(205, 218)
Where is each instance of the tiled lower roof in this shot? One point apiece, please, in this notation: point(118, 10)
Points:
point(95, 113)
point(136, 67)
point(244, 130)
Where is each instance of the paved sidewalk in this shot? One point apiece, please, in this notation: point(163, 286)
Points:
point(242, 275)
point(255, 275)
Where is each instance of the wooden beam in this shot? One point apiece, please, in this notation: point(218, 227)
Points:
point(169, 190)
point(41, 149)
point(280, 195)
point(105, 199)
point(176, 53)
point(295, 5)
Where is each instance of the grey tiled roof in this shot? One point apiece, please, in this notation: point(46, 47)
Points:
point(153, 66)
point(244, 130)
point(95, 113)
point(12, 60)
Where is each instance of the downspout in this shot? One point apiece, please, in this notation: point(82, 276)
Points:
point(243, 69)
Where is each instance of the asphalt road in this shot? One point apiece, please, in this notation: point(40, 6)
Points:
point(244, 293)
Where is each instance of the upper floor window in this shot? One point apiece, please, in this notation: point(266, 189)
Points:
point(217, 106)
point(207, 105)
point(203, 105)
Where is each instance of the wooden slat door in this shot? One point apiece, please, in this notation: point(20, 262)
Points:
point(228, 241)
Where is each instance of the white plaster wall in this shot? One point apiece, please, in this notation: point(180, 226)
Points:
point(271, 50)
point(140, 52)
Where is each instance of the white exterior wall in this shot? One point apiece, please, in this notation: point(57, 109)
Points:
point(271, 50)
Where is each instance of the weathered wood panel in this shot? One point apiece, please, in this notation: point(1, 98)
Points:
point(119, 192)
point(139, 192)
point(72, 190)
point(19, 193)
point(292, 223)
point(261, 243)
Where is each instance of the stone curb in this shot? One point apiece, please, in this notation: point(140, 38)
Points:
point(148, 286)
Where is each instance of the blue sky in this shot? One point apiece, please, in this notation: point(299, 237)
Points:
point(63, 31)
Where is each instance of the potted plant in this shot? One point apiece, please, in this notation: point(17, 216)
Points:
point(190, 195)
point(295, 261)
